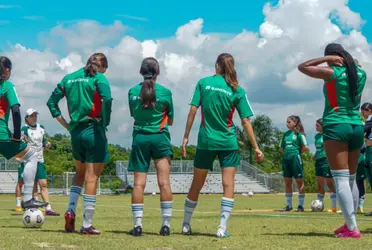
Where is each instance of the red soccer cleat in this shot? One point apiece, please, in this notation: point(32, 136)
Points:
point(341, 229)
point(70, 221)
point(89, 231)
point(350, 234)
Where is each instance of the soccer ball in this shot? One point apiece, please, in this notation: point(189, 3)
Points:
point(250, 193)
point(33, 218)
point(317, 206)
point(153, 193)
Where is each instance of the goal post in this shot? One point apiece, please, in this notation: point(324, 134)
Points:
point(69, 176)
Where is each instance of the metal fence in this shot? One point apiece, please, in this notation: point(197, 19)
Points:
point(8, 165)
point(109, 184)
point(273, 182)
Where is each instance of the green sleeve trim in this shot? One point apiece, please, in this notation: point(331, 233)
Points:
point(24, 130)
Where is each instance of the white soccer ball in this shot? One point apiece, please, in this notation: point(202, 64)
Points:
point(250, 193)
point(317, 206)
point(33, 218)
point(153, 193)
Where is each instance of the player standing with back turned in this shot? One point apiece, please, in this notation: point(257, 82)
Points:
point(218, 96)
point(89, 102)
point(343, 130)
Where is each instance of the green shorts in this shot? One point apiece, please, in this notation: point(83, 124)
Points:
point(361, 173)
point(322, 168)
point(89, 144)
point(228, 158)
point(292, 167)
point(146, 146)
point(353, 135)
point(41, 173)
point(10, 149)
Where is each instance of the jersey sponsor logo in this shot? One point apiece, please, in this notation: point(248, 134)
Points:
point(218, 89)
point(78, 80)
point(294, 137)
point(135, 98)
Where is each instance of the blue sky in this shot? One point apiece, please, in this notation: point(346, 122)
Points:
point(22, 21)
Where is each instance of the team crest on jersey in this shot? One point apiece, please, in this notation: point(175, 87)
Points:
point(294, 137)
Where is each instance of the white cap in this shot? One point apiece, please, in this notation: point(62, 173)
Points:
point(31, 111)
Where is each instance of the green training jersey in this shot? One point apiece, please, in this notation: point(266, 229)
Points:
point(8, 98)
point(151, 120)
point(292, 143)
point(319, 145)
point(218, 102)
point(88, 99)
point(339, 107)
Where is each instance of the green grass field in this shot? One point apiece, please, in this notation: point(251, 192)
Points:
point(254, 225)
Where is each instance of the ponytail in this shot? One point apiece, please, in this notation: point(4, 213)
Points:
point(299, 128)
point(149, 70)
point(351, 68)
point(225, 66)
point(94, 63)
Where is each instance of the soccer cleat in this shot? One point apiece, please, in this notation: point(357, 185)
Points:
point(342, 229)
point(89, 231)
point(350, 234)
point(51, 213)
point(360, 210)
point(300, 209)
point(164, 231)
point(18, 209)
point(286, 209)
point(70, 221)
point(136, 231)
point(33, 204)
point(222, 233)
point(186, 229)
point(42, 210)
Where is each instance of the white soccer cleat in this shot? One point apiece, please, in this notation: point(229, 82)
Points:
point(222, 233)
point(186, 229)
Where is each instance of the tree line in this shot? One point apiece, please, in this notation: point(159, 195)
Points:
point(59, 157)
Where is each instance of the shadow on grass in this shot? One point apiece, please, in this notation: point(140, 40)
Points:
point(12, 227)
point(157, 234)
point(16, 214)
point(310, 234)
point(366, 231)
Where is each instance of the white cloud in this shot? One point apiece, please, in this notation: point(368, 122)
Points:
point(266, 62)
point(137, 18)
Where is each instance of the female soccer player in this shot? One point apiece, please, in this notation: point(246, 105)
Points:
point(361, 175)
point(218, 96)
point(366, 110)
point(89, 102)
point(34, 134)
point(292, 145)
point(322, 170)
point(151, 106)
point(11, 144)
point(343, 130)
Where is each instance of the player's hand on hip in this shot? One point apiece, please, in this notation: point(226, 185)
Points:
point(184, 144)
point(259, 155)
point(48, 144)
point(16, 140)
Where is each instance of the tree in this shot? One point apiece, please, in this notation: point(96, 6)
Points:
point(265, 136)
